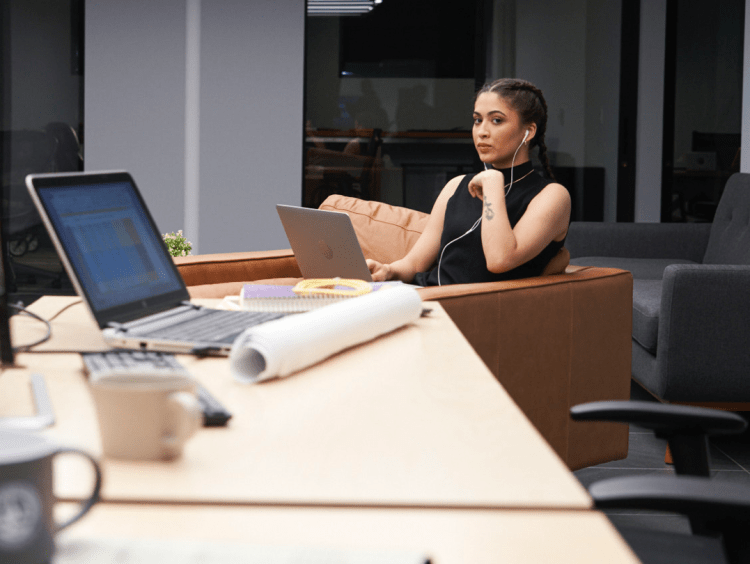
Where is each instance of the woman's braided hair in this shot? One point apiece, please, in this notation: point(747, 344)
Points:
point(529, 102)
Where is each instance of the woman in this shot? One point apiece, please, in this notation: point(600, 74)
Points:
point(503, 223)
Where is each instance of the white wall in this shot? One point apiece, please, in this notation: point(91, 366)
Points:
point(249, 88)
point(602, 101)
point(551, 53)
point(650, 118)
point(134, 98)
point(571, 50)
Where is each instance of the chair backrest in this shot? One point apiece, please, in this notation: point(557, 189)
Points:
point(385, 232)
point(729, 241)
point(68, 155)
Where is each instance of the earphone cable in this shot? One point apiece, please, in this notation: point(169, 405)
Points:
point(478, 221)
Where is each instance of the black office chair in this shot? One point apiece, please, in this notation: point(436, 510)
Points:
point(719, 513)
point(25, 152)
point(68, 157)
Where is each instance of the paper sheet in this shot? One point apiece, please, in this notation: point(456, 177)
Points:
point(281, 347)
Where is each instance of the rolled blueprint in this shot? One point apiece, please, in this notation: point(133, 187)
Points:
point(283, 346)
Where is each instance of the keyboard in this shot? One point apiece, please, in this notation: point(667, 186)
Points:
point(214, 326)
point(103, 364)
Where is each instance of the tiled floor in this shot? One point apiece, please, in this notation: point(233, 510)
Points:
point(730, 461)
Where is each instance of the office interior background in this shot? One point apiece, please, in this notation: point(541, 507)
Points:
point(223, 108)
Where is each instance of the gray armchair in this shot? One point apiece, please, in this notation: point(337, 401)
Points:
point(691, 298)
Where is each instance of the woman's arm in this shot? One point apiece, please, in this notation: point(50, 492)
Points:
point(424, 252)
point(546, 219)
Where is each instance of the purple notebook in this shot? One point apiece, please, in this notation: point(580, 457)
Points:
point(270, 297)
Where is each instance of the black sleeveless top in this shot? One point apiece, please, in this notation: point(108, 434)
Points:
point(463, 259)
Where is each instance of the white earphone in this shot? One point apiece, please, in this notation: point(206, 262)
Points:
point(478, 221)
point(525, 136)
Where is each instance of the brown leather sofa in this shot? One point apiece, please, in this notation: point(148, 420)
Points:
point(553, 341)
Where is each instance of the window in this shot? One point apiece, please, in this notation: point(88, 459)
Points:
point(389, 99)
point(703, 90)
point(389, 95)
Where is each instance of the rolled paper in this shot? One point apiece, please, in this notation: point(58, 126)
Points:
point(284, 346)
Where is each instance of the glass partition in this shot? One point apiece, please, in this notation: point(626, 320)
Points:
point(389, 95)
point(42, 112)
point(702, 127)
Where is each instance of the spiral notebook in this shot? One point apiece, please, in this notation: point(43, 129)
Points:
point(283, 299)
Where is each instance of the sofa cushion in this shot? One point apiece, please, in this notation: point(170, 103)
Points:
point(641, 268)
point(646, 305)
point(729, 242)
point(385, 232)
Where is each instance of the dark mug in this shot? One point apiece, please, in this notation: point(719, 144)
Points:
point(27, 526)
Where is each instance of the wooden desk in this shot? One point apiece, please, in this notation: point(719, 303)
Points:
point(413, 419)
point(446, 536)
point(405, 442)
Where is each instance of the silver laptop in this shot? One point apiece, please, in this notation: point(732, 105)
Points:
point(121, 268)
point(324, 243)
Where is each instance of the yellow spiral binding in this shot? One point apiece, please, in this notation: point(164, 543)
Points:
point(328, 287)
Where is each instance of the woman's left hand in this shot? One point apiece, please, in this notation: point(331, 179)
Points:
point(486, 180)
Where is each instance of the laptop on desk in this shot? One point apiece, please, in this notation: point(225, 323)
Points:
point(324, 243)
point(121, 268)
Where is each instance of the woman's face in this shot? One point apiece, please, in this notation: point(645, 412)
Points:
point(498, 131)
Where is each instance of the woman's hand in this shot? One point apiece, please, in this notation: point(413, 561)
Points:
point(486, 180)
point(380, 272)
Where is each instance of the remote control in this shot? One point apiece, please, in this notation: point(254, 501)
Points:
point(214, 414)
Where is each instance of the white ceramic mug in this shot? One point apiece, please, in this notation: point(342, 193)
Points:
point(27, 525)
point(146, 417)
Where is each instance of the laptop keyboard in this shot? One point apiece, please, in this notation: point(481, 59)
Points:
point(212, 326)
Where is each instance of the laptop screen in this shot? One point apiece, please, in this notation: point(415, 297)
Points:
point(111, 243)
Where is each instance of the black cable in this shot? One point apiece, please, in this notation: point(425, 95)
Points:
point(23, 348)
point(65, 308)
point(102, 351)
point(199, 352)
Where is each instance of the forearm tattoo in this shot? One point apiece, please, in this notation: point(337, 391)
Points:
point(488, 213)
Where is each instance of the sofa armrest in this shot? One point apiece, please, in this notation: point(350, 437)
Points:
point(219, 268)
point(638, 240)
point(704, 323)
point(553, 342)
